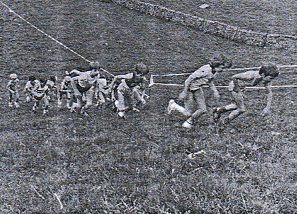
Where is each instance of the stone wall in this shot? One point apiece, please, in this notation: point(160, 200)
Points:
point(212, 27)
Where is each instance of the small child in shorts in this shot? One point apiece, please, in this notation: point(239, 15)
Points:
point(84, 84)
point(13, 89)
point(193, 94)
point(128, 91)
point(39, 95)
point(31, 86)
point(65, 89)
point(265, 75)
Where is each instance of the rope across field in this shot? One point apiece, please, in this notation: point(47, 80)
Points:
point(50, 37)
point(153, 76)
point(70, 155)
point(285, 69)
point(152, 82)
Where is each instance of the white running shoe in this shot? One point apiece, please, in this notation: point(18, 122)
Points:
point(116, 103)
point(59, 103)
point(17, 105)
point(10, 105)
point(83, 111)
point(136, 109)
point(170, 107)
point(45, 111)
point(143, 101)
point(121, 114)
point(187, 125)
point(73, 107)
point(216, 114)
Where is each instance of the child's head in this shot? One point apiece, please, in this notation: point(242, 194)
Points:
point(141, 69)
point(94, 74)
point(269, 69)
point(53, 79)
point(268, 72)
point(95, 65)
point(220, 61)
point(42, 80)
point(67, 78)
point(13, 76)
point(32, 78)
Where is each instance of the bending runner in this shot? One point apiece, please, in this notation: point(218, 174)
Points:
point(52, 88)
point(40, 95)
point(31, 86)
point(129, 94)
point(100, 92)
point(264, 75)
point(193, 95)
point(67, 90)
point(83, 84)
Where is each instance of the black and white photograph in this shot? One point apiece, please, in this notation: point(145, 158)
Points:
point(148, 106)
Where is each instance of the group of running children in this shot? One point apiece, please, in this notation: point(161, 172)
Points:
point(127, 92)
point(82, 88)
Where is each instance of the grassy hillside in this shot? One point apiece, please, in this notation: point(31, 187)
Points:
point(67, 163)
point(258, 15)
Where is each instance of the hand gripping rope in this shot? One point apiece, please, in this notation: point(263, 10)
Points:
point(49, 36)
point(152, 82)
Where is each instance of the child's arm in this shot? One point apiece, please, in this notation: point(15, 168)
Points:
point(256, 81)
point(17, 85)
point(118, 77)
point(266, 110)
point(245, 76)
point(9, 87)
point(215, 90)
point(188, 82)
point(26, 89)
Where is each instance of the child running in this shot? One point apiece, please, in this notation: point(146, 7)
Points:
point(52, 88)
point(128, 90)
point(265, 75)
point(13, 89)
point(65, 89)
point(83, 84)
point(31, 86)
point(193, 95)
point(100, 91)
point(39, 95)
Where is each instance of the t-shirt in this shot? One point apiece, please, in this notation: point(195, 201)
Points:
point(85, 80)
point(30, 87)
point(40, 92)
point(134, 81)
point(12, 84)
point(201, 77)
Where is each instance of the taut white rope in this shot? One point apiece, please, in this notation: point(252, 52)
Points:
point(230, 69)
point(233, 69)
point(49, 36)
point(224, 86)
point(41, 31)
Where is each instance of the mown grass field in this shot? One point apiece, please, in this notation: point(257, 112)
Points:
point(258, 15)
point(67, 163)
